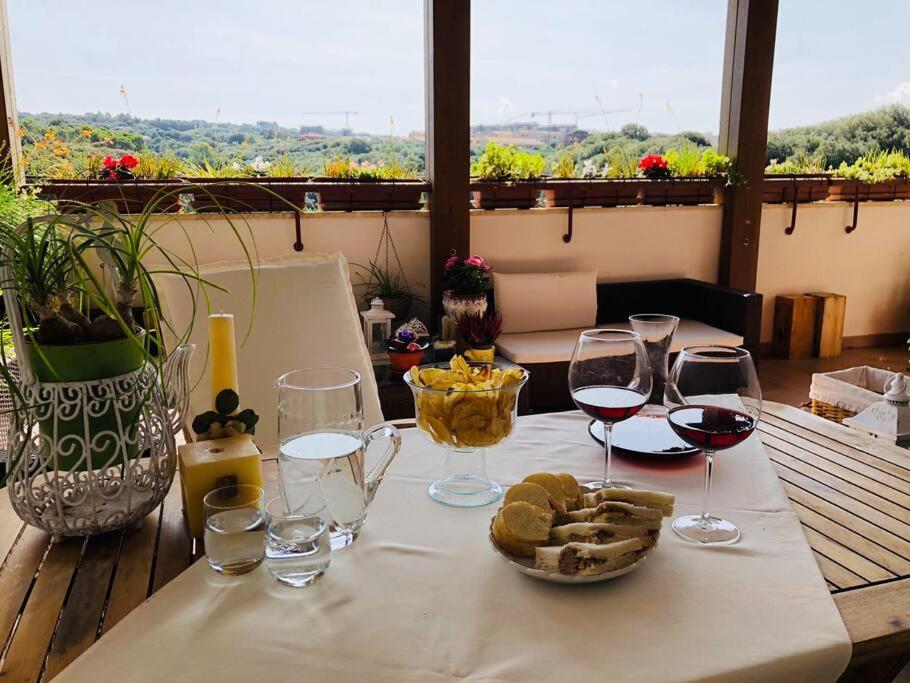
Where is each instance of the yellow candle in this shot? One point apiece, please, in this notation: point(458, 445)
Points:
point(223, 353)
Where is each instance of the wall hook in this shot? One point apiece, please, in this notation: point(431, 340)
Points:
point(852, 227)
point(792, 227)
point(568, 236)
point(298, 245)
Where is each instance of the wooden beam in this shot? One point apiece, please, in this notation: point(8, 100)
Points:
point(9, 138)
point(448, 87)
point(748, 64)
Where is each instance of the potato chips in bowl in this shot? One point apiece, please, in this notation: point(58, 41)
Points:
point(466, 407)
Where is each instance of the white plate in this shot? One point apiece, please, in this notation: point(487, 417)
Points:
point(525, 565)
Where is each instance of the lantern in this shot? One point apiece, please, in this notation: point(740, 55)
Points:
point(377, 328)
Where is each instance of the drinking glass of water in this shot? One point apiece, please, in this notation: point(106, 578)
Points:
point(234, 528)
point(323, 446)
point(298, 548)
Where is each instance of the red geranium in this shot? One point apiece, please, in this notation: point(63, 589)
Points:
point(118, 169)
point(128, 161)
point(654, 166)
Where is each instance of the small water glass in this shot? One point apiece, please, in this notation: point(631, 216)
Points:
point(298, 546)
point(234, 528)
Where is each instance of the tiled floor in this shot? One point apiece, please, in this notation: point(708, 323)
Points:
point(787, 381)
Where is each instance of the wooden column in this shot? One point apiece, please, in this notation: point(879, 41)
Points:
point(748, 63)
point(448, 88)
point(9, 138)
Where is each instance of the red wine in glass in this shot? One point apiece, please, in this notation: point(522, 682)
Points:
point(710, 427)
point(609, 404)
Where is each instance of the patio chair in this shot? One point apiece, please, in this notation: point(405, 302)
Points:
point(304, 316)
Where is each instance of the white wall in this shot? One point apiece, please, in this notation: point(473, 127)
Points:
point(623, 243)
point(870, 265)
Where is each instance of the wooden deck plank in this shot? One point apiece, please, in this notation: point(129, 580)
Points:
point(31, 640)
point(847, 558)
point(16, 577)
point(174, 552)
point(132, 576)
point(847, 488)
point(81, 617)
point(857, 508)
point(10, 527)
point(838, 577)
point(870, 466)
point(848, 474)
point(852, 540)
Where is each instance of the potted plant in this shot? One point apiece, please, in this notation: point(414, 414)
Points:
point(800, 179)
point(503, 178)
point(877, 176)
point(561, 191)
point(479, 333)
point(467, 281)
point(97, 407)
point(382, 284)
point(347, 185)
point(682, 176)
point(615, 184)
point(406, 349)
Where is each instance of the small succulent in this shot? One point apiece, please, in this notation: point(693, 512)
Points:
point(222, 422)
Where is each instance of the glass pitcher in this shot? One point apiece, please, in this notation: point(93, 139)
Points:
point(323, 446)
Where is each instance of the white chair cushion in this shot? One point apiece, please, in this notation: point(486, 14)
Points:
point(530, 302)
point(555, 346)
point(305, 316)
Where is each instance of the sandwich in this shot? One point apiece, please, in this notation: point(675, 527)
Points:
point(592, 532)
point(649, 499)
point(520, 527)
point(586, 559)
point(615, 512)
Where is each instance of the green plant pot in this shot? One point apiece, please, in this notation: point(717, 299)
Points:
point(84, 363)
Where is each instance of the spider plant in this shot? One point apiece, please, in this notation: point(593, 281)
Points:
point(382, 284)
point(684, 162)
point(157, 166)
point(564, 167)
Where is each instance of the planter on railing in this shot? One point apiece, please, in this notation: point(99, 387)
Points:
point(581, 192)
point(242, 194)
point(849, 190)
point(683, 191)
point(512, 194)
point(799, 187)
point(368, 195)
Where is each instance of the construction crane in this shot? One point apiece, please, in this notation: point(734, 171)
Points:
point(347, 115)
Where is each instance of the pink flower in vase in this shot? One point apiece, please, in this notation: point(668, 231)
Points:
point(452, 262)
point(477, 262)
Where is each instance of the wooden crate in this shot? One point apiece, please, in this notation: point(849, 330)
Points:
point(829, 323)
point(794, 325)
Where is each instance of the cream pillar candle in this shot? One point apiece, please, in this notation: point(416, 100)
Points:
point(222, 353)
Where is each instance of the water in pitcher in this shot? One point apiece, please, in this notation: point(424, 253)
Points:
point(326, 466)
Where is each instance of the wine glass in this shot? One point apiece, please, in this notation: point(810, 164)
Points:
point(713, 403)
point(610, 380)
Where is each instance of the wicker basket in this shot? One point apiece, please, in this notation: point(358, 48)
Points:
point(844, 393)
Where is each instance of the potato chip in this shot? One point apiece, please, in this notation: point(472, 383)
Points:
point(466, 405)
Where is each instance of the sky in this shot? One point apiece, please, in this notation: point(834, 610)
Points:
point(657, 62)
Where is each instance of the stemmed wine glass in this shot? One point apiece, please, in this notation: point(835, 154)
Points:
point(713, 403)
point(610, 380)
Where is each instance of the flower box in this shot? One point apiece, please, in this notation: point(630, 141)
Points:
point(516, 194)
point(581, 192)
point(131, 196)
point(685, 191)
point(848, 190)
point(368, 195)
point(801, 188)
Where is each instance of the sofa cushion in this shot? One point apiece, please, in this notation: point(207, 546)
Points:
point(530, 302)
point(554, 346)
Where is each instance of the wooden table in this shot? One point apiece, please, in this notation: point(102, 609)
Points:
point(851, 492)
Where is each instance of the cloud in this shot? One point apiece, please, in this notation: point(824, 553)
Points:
point(614, 83)
point(901, 93)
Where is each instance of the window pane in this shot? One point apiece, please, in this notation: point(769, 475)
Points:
point(545, 74)
point(835, 60)
point(214, 85)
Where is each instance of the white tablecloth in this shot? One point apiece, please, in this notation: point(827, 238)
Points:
point(422, 597)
